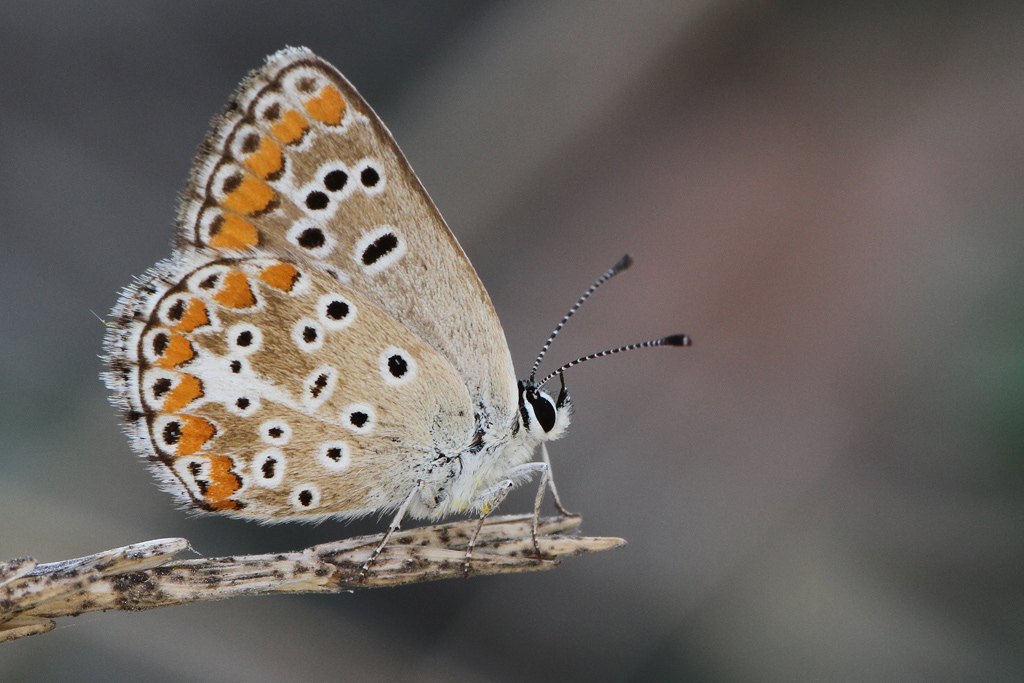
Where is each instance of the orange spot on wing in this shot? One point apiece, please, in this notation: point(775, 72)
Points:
point(280, 276)
point(234, 232)
point(195, 316)
point(222, 483)
point(188, 389)
point(267, 160)
point(290, 128)
point(178, 351)
point(251, 196)
point(328, 106)
point(235, 291)
point(195, 432)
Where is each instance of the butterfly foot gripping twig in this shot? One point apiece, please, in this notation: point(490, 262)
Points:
point(396, 524)
point(494, 496)
point(554, 489)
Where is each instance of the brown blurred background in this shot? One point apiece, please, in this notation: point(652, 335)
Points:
point(829, 486)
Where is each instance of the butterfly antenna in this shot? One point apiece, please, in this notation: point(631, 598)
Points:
point(671, 340)
point(623, 263)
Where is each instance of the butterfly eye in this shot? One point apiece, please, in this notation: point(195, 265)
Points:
point(536, 405)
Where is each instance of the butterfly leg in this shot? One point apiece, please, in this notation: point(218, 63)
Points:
point(396, 524)
point(551, 483)
point(493, 497)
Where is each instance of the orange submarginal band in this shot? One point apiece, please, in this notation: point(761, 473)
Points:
point(222, 483)
point(235, 291)
point(267, 160)
point(195, 316)
point(290, 128)
point(188, 389)
point(234, 232)
point(195, 432)
point(327, 107)
point(178, 351)
point(280, 276)
point(251, 196)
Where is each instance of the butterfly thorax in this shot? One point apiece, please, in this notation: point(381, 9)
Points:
point(462, 483)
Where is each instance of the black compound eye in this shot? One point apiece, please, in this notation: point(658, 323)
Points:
point(543, 409)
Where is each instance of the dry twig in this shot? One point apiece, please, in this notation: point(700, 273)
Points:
point(143, 576)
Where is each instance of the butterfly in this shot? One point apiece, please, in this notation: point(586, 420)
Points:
point(318, 344)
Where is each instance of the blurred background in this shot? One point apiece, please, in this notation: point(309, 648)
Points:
point(829, 486)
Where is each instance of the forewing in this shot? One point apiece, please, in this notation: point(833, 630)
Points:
point(300, 167)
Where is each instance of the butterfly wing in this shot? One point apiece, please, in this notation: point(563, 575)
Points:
point(264, 388)
point(299, 166)
point(239, 386)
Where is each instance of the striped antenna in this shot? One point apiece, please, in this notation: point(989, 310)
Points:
point(671, 340)
point(623, 263)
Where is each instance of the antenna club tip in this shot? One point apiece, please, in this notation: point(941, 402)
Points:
point(623, 263)
point(677, 340)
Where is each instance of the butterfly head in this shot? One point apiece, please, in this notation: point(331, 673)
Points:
point(544, 417)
